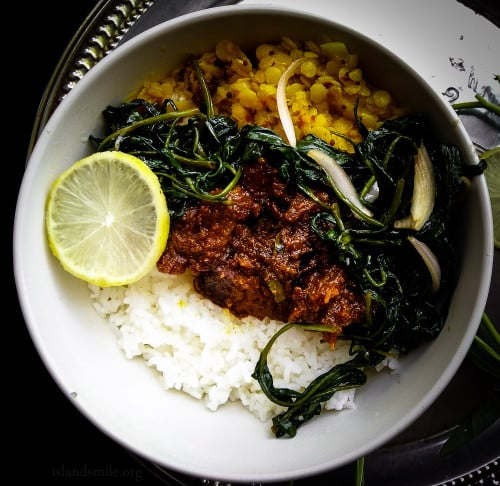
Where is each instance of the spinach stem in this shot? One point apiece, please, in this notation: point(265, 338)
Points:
point(171, 115)
point(487, 348)
point(206, 92)
point(480, 102)
point(360, 472)
point(490, 328)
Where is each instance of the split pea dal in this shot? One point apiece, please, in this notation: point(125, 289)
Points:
point(321, 95)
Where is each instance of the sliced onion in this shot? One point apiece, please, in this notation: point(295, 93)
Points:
point(424, 193)
point(430, 261)
point(283, 111)
point(373, 193)
point(341, 181)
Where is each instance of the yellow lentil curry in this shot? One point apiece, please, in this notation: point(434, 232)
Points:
point(321, 95)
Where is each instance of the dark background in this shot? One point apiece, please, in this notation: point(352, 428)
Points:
point(47, 437)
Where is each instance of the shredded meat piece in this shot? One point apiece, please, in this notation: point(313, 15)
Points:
point(259, 256)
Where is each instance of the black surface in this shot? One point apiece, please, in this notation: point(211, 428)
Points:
point(48, 440)
point(489, 9)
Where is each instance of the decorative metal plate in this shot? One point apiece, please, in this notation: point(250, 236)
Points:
point(413, 457)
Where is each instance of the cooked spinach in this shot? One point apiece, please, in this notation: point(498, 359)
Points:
point(198, 155)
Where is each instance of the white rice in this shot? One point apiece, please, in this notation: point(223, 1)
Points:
point(206, 352)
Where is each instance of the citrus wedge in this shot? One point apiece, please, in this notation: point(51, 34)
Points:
point(106, 219)
point(492, 175)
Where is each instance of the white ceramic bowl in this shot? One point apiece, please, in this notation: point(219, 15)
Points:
point(122, 397)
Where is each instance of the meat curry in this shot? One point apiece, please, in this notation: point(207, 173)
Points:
point(258, 255)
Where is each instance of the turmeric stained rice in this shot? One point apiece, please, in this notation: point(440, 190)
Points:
point(321, 95)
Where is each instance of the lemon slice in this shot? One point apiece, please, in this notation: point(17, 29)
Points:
point(106, 219)
point(492, 175)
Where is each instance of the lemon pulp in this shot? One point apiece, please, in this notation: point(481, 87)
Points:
point(106, 219)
